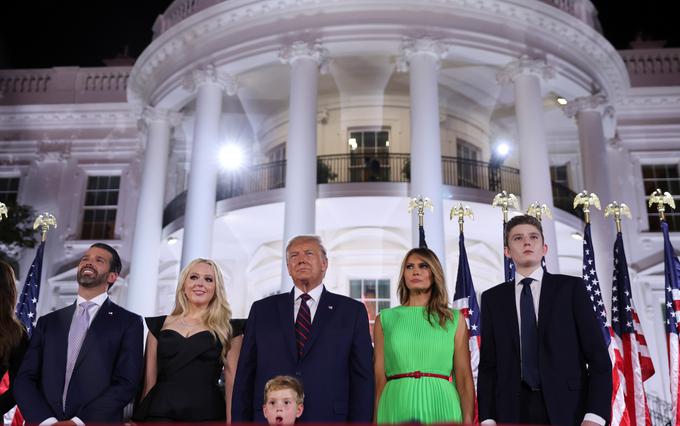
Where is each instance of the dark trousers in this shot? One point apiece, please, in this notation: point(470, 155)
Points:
point(532, 408)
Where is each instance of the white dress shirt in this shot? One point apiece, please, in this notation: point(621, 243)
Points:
point(313, 303)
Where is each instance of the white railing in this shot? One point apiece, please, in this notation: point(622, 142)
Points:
point(63, 85)
point(178, 11)
point(652, 67)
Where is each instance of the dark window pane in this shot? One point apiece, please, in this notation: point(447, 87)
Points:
point(383, 289)
point(383, 138)
point(355, 289)
point(369, 289)
point(369, 140)
point(383, 305)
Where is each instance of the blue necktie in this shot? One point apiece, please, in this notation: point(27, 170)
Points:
point(530, 374)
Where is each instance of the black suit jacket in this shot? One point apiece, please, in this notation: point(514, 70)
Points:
point(106, 374)
point(336, 367)
point(574, 363)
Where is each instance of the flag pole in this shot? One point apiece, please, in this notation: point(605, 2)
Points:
point(505, 200)
point(537, 210)
point(661, 200)
point(3, 211)
point(420, 203)
point(44, 221)
point(617, 210)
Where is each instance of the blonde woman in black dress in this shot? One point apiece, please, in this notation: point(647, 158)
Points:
point(187, 351)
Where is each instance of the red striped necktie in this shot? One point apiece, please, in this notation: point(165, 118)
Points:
point(303, 323)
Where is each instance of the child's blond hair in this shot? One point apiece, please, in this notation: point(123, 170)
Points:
point(285, 382)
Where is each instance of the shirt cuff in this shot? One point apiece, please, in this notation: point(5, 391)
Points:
point(488, 422)
point(591, 417)
point(48, 422)
point(79, 422)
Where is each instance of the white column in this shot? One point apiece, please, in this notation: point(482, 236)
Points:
point(300, 193)
point(588, 112)
point(422, 57)
point(526, 74)
point(142, 282)
point(199, 215)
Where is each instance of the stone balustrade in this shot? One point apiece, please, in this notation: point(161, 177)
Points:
point(652, 67)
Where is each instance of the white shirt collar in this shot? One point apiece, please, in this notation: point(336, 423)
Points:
point(537, 275)
point(97, 300)
point(315, 293)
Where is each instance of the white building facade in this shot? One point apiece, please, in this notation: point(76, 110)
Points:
point(345, 110)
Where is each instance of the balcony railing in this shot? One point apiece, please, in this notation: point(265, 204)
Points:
point(359, 168)
point(652, 67)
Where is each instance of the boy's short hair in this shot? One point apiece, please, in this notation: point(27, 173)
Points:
point(285, 382)
point(523, 219)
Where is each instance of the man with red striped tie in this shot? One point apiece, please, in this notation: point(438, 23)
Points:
point(319, 337)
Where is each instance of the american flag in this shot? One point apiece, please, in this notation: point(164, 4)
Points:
point(672, 273)
point(637, 363)
point(465, 300)
point(508, 264)
point(590, 280)
point(28, 301)
point(421, 237)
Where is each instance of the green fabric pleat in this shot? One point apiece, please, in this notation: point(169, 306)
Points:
point(414, 344)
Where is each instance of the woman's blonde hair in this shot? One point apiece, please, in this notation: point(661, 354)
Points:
point(439, 297)
point(218, 314)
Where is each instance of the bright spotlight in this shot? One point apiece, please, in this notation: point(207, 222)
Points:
point(231, 157)
point(172, 241)
point(502, 149)
point(577, 236)
point(562, 101)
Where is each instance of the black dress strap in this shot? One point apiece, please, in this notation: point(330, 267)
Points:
point(237, 326)
point(155, 324)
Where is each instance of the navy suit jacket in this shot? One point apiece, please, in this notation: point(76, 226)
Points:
point(106, 374)
point(574, 363)
point(336, 367)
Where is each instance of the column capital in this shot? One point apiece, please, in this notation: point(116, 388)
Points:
point(597, 102)
point(305, 50)
point(152, 114)
point(436, 49)
point(525, 66)
point(210, 74)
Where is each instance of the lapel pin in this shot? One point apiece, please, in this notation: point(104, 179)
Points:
point(330, 306)
point(110, 313)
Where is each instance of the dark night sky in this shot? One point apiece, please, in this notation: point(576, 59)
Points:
point(43, 34)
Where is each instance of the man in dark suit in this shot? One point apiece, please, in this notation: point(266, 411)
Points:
point(84, 362)
point(543, 359)
point(319, 337)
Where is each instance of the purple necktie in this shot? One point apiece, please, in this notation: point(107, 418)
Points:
point(303, 323)
point(76, 335)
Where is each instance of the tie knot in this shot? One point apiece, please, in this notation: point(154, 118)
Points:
point(86, 305)
point(305, 297)
point(526, 281)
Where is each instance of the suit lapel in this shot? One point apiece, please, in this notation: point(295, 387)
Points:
point(511, 312)
point(285, 308)
point(98, 328)
point(545, 302)
point(65, 317)
point(324, 309)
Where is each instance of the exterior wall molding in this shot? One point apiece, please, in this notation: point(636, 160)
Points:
point(598, 102)
point(305, 50)
point(64, 116)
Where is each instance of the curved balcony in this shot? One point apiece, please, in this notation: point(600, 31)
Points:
point(361, 168)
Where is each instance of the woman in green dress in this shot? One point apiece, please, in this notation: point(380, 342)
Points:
point(415, 345)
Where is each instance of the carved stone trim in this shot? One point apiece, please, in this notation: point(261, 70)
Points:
point(523, 66)
point(597, 102)
point(305, 50)
point(437, 49)
point(210, 74)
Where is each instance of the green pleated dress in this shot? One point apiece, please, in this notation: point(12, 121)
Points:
point(413, 344)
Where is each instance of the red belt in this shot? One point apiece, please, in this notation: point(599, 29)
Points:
point(417, 375)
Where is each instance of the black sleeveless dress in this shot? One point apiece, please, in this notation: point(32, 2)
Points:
point(187, 385)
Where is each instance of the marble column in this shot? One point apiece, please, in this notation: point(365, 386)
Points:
point(301, 187)
point(143, 278)
point(526, 75)
point(210, 85)
point(588, 112)
point(421, 58)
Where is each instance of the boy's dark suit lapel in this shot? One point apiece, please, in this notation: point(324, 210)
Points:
point(546, 301)
point(324, 310)
point(286, 309)
point(510, 312)
point(64, 318)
